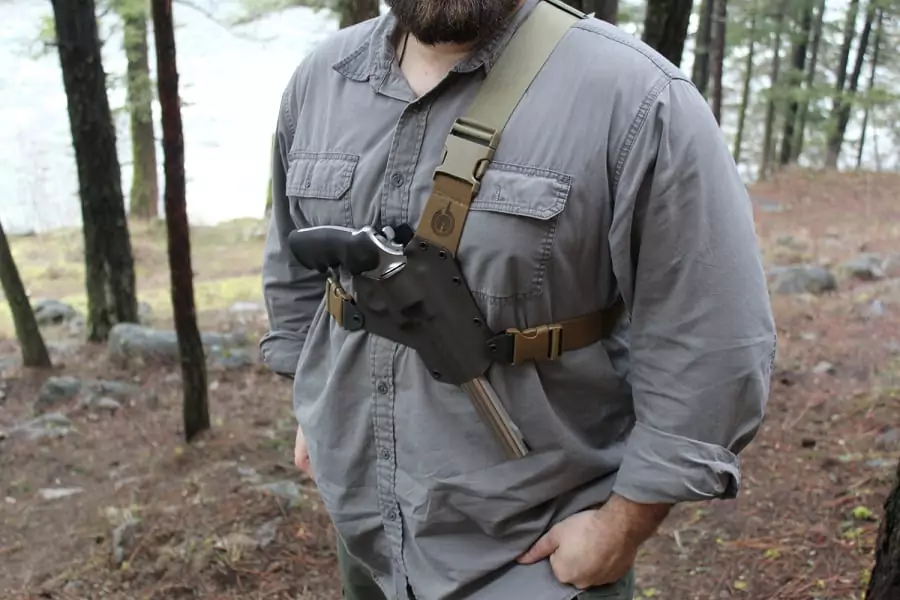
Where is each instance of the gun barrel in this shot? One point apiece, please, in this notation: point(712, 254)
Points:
point(494, 414)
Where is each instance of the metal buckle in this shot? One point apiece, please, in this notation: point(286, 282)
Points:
point(468, 152)
point(544, 342)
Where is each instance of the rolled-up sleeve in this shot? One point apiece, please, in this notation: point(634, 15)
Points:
point(292, 293)
point(686, 256)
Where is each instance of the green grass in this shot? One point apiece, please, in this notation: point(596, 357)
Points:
point(226, 260)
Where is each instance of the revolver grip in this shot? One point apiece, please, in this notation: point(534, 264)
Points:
point(327, 247)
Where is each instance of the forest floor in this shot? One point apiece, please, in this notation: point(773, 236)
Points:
point(116, 505)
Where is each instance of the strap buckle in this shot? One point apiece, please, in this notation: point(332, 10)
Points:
point(335, 297)
point(468, 152)
point(537, 343)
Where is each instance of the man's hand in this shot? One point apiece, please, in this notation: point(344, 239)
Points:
point(597, 547)
point(301, 454)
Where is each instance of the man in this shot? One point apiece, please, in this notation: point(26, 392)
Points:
point(611, 184)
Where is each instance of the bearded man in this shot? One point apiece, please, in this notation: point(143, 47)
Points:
point(611, 186)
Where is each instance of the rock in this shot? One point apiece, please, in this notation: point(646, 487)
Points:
point(824, 367)
point(865, 267)
point(152, 401)
point(888, 440)
point(769, 206)
point(267, 532)
point(57, 493)
point(73, 586)
point(237, 541)
point(249, 474)
point(10, 362)
point(77, 326)
point(874, 310)
point(105, 403)
point(230, 358)
point(891, 266)
point(246, 309)
point(286, 491)
point(145, 313)
point(130, 343)
point(48, 425)
point(122, 541)
point(53, 312)
point(120, 390)
point(881, 463)
point(803, 279)
point(56, 391)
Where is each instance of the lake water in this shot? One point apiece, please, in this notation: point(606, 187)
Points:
point(231, 85)
point(231, 82)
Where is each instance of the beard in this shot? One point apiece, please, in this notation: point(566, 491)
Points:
point(452, 21)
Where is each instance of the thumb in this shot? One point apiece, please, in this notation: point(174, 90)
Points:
point(544, 547)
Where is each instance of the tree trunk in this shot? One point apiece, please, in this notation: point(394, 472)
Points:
point(357, 11)
point(718, 28)
point(195, 403)
point(841, 73)
point(773, 86)
point(109, 266)
point(748, 79)
point(884, 583)
point(795, 79)
point(605, 10)
point(144, 184)
point(841, 114)
point(31, 342)
point(800, 129)
point(666, 25)
point(700, 74)
point(879, 32)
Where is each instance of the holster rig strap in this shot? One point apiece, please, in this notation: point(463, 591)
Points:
point(468, 152)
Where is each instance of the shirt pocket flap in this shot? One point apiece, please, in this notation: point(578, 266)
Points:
point(523, 191)
point(326, 175)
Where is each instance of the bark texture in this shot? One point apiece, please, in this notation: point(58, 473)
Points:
point(666, 26)
point(195, 403)
point(31, 342)
point(109, 266)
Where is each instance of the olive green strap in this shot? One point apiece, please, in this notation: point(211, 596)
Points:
point(474, 137)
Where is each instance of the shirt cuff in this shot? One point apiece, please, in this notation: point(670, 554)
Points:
point(280, 351)
point(661, 468)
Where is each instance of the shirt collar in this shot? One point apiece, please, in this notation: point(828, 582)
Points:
point(371, 61)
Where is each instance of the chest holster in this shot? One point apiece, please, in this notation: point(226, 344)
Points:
point(413, 292)
point(468, 152)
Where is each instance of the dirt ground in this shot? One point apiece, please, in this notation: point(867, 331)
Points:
point(151, 517)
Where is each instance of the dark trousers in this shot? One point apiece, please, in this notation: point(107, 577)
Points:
point(357, 583)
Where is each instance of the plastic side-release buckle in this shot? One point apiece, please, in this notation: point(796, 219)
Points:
point(515, 346)
point(468, 151)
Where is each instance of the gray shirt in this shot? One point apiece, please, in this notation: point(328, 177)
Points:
point(611, 178)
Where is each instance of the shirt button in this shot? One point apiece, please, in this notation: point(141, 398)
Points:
point(384, 453)
point(392, 515)
point(397, 179)
point(382, 388)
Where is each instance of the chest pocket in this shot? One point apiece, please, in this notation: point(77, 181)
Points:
point(318, 187)
point(507, 239)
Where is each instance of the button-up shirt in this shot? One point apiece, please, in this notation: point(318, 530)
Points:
point(612, 179)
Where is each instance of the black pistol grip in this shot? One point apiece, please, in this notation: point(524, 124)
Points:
point(323, 248)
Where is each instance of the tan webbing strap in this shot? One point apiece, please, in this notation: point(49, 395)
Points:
point(548, 342)
point(474, 137)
